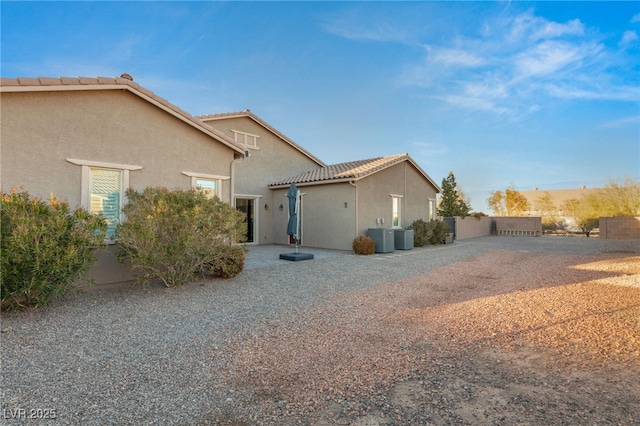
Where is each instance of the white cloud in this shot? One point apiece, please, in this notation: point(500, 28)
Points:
point(549, 57)
point(533, 28)
point(353, 26)
point(505, 64)
point(454, 57)
point(635, 18)
point(475, 103)
point(628, 38)
point(548, 30)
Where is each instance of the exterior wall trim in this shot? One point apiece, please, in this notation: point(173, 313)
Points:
point(205, 176)
point(102, 164)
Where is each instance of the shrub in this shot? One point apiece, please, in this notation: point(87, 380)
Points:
point(419, 227)
point(45, 248)
point(364, 245)
point(170, 235)
point(437, 232)
point(228, 262)
point(433, 232)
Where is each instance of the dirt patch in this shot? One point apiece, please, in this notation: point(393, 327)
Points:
point(503, 338)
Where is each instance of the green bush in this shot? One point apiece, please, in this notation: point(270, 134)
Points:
point(170, 235)
point(227, 263)
point(433, 232)
point(419, 227)
point(364, 245)
point(45, 248)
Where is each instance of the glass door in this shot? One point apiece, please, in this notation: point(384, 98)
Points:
point(247, 206)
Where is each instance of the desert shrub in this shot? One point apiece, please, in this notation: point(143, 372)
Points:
point(433, 232)
point(45, 248)
point(170, 235)
point(364, 245)
point(419, 227)
point(437, 232)
point(227, 263)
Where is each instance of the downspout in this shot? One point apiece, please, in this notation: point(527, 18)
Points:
point(355, 189)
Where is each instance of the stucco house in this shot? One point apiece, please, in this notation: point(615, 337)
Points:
point(342, 201)
point(270, 156)
point(339, 202)
point(86, 140)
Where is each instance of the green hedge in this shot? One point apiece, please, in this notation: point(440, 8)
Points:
point(433, 232)
point(45, 248)
point(171, 235)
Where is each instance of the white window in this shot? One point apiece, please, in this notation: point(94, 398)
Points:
point(432, 209)
point(244, 138)
point(210, 184)
point(396, 213)
point(103, 189)
point(106, 192)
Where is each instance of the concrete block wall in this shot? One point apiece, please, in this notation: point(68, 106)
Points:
point(525, 226)
point(471, 227)
point(620, 228)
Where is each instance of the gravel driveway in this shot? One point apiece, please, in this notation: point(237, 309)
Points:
point(492, 330)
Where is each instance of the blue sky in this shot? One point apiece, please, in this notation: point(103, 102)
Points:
point(530, 94)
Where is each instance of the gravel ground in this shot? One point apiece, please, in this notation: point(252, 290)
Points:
point(493, 330)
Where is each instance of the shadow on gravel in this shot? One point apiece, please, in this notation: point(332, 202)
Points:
point(500, 338)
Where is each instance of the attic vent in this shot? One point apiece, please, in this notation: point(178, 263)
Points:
point(127, 76)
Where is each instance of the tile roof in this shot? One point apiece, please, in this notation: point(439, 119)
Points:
point(23, 84)
point(248, 113)
point(351, 170)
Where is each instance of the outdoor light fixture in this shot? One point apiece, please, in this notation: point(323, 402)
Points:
point(345, 204)
point(281, 207)
point(266, 206)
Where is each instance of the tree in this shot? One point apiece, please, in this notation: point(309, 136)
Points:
point(616, 199)
point(452, 202)
point(548, 211)
point(508, 203)
point(497, 203)
point(613, 200)
point(584, 214)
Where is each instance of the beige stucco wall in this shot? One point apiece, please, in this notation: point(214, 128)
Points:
point(329, 223)
point(374, 195)
point(273, 160)
point(40, 130)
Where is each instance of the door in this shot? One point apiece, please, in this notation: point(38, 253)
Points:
point(247, 206)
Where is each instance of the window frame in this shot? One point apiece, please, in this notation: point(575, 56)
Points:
point(432, 208)
point(85, 182)
point(204, 176)
point(396, 204)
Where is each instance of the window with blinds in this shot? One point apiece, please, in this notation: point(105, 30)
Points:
point(105, 187)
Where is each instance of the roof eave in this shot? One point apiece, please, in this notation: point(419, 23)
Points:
point(313, 183)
